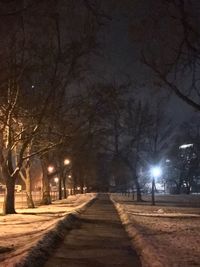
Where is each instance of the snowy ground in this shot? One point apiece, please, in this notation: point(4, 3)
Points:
point(165, 235)
point(19, 232)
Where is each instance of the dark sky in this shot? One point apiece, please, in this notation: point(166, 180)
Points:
point(121, 57)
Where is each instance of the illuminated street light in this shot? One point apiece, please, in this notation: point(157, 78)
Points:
point(156, 172)
point(50, 169)
point(185, 146)
point(66, 162)
point(56, 179)
point(85, 189)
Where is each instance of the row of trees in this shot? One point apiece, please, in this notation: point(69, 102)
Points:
point(134, 135)
point(127, 133)
point(166, 33)
point(106, 123)
point(44, 50)
point(169, 39)
point(46, 113)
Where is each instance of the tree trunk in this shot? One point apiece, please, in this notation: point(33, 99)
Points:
point(137, 185)
point(29, 198)
point(153, 192)
point(133, 195)
point(74, 191)
point(82, 185)
point(179, 184)
point(74, 184)
point(9, 200)
point(188, 188)
point(60, 188)
point(82, 191)
point(64, 186)
point(46, 197)
point(178, 188)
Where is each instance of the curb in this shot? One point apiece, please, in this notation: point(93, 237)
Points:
point(38, 255)
point(143, 247)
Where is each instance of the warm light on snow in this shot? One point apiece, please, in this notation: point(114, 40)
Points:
point(23, 230)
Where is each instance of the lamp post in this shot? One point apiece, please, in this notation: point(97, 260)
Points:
point(55, 192)
point(155, 173)
point(56, 179)
point(51, 169)
point(60, 170)
point(66, 162)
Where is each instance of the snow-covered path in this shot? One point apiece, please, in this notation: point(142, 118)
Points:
point(99, 240)
point(20, 232)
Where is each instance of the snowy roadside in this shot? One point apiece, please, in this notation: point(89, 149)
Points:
point(165, 235)
point(32, 232)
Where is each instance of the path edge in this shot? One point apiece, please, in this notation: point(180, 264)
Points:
point(41, 251)
point(146, 252)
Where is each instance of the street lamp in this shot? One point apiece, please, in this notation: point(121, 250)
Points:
point(66, 161)
point(156, 172)
point(50, 169)
point(67, 165)
point(56, 179)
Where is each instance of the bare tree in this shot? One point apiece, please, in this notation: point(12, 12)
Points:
point(169, 38)
point(46, 49)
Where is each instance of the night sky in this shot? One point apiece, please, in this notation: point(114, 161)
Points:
point(121, 58)
point(129, 28)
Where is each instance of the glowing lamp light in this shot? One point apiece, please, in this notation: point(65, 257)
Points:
point(66, 162)
point(50, 169)
point(156, 172)
point(56, 179)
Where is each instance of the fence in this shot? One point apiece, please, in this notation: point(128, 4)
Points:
point(20, 198)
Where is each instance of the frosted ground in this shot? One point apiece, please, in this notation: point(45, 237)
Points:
point(165, 235)
point(19, 232)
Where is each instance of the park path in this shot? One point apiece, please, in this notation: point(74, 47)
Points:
point(99, 240)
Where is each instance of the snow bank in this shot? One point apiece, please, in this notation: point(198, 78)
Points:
point(44, 247)
point(28, 237)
